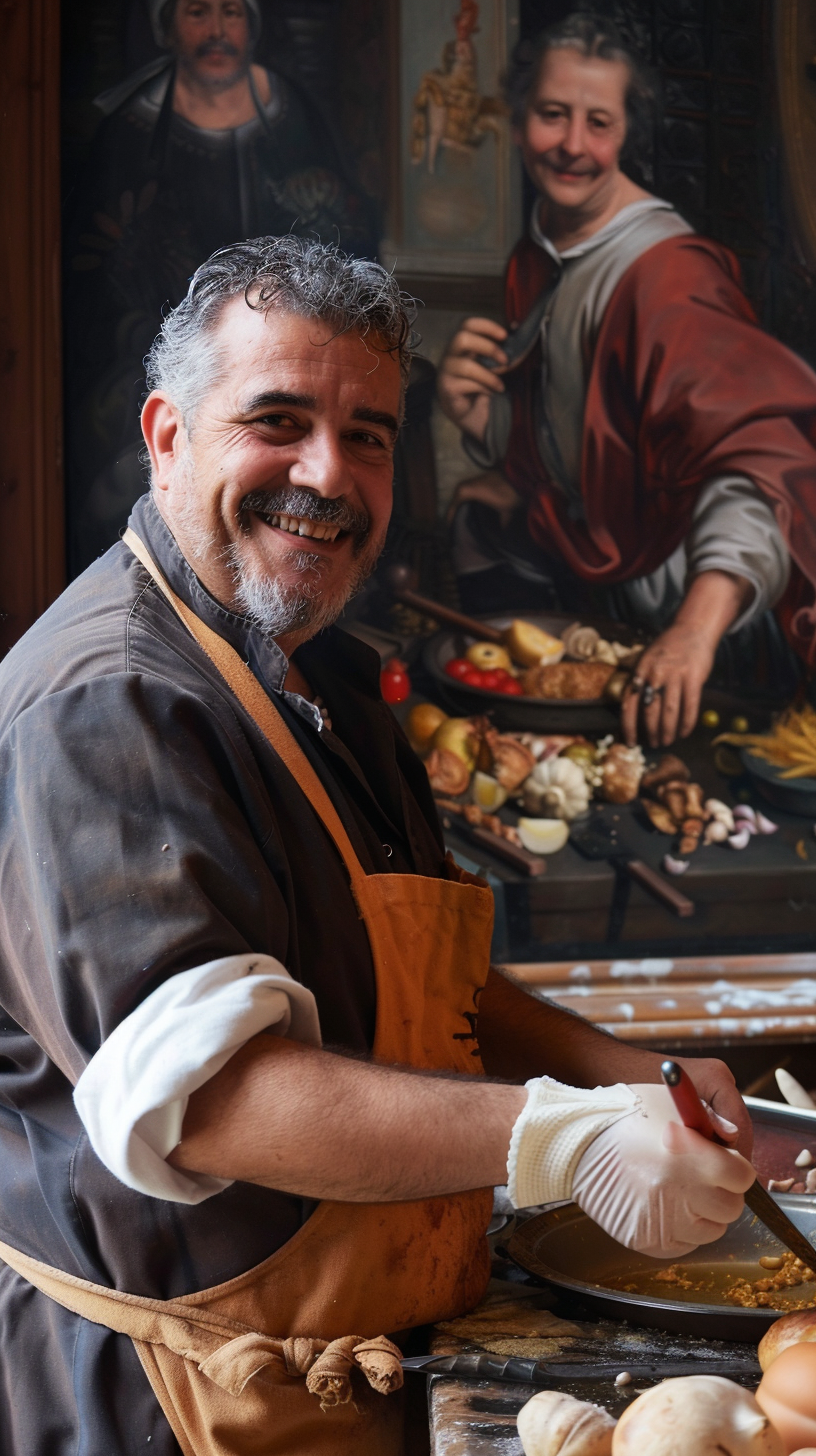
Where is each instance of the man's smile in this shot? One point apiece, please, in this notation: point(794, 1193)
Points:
point(326, 532)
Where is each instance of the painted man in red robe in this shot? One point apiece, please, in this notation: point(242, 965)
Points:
point(664, 447)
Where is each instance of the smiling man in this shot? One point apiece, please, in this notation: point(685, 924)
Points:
point(234, 960)
point(654, 452)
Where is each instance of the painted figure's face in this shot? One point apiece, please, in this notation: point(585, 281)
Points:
point(575, 127)
point(280, 496)
point(212, 40)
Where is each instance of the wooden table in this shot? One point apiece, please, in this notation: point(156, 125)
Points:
point(757, 900)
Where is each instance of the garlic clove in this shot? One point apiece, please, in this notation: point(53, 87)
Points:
point(765, 826)
point(716, 809)
point(741, 838)
point(780, 1185)
point(747, 815)
point(716, 832)
point(674, 866)
point(804, 1159)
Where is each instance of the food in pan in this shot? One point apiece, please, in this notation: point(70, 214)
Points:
point(755, 1287)
point(573, 681)
point(488, 656)
point(697, 1415)
point(529, 645)
point(553, 1423)
point(787, 1395)
point(790, 745)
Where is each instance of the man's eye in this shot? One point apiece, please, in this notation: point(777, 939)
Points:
point(364, 437)
point(277, 422)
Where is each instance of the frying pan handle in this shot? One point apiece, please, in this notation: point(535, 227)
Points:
point(654, 882)
point(685, 1098)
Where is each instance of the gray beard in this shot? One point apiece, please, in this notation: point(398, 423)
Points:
point(301, 606)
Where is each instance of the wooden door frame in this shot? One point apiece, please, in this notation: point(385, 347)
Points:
point(32, 517)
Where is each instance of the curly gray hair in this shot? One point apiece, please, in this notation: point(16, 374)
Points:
point(300, 276)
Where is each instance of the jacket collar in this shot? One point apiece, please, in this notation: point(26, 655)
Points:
point(258, 650)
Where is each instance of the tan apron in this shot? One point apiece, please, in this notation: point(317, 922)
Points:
point(227, 1364)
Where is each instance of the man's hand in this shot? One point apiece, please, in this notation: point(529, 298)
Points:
point(717, 1088)
point(656, 1186)
point(464, 386)
point(670, 675)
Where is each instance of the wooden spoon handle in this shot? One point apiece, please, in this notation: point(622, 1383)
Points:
point(480, 630)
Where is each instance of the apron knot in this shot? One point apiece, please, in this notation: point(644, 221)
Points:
point(330, 1376)
point(326, 1365)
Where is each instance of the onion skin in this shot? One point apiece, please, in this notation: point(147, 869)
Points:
point(787, 1394)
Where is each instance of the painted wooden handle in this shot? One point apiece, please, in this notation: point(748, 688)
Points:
point(654, 882)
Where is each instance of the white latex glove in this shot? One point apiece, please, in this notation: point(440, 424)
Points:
point(657, 1186)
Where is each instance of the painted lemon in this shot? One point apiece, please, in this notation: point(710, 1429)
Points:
point(543, 836)
point(487, 792)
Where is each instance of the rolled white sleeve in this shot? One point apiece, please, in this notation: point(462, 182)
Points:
point(133, 1094)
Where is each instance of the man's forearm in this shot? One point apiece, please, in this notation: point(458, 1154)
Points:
point(323, 1126)
point(521, 1037)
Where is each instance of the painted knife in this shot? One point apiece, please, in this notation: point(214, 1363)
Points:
point(476, 1366)
point(759, 1200)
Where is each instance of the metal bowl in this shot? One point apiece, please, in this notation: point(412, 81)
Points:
point(796, 796)
point(564, 1247)
point(534, 715)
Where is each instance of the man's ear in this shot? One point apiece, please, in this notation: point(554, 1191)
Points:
point(165, 437)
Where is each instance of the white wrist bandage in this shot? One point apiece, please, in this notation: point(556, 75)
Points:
point(554, 1129)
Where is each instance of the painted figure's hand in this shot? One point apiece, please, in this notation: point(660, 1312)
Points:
point(670, 676)
point(492, 490)
point(464, 386)
point(667, 684)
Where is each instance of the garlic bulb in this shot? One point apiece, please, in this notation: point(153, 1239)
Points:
point(555, 1424)
point(556, 789)
point(703, 1414)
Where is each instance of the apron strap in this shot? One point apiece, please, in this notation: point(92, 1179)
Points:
point(260, 708)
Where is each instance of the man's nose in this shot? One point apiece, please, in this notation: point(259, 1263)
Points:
point(321, 465)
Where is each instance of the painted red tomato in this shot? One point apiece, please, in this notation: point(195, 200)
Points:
point(493, 679)
point(395, 684)
point(512, 688)
point(458, 667)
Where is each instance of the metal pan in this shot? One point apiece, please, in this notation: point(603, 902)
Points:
point(534, 715)
point(569, 1251)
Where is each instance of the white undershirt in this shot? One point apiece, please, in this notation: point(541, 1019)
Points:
point(133, 1094)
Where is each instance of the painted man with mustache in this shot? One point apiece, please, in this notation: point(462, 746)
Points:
point(654, 450)
point(199, 148)
point(246, 1001)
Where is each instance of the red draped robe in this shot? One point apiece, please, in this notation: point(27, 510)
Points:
point(684, 386)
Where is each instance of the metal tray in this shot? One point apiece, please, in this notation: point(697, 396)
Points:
point(564, 1247)
point(535, 715)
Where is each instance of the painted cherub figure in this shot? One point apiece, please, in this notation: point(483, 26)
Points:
point(448, 110)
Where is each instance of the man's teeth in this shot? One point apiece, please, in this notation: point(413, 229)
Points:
point(302, 526)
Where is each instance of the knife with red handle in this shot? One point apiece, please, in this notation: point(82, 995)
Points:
point(692, 1114)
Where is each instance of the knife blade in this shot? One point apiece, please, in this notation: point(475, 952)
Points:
point(759, 1200)
point(475, 1366)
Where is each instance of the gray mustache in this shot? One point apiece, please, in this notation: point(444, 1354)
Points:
point(296, 500)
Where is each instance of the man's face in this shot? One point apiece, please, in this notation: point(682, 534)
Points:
point(212, 40)
point(575, 127)
point(281, 493)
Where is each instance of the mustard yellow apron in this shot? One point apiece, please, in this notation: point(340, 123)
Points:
point(227, 1364)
